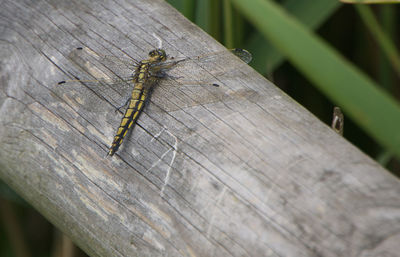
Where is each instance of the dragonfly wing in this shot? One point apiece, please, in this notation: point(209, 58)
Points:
point(224, 56)
point(188, 81)
point(194, 81)
point(118, 63)
point(211, 66)
point(96, 82)
point(120, 66)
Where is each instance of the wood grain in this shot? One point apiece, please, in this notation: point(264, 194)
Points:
point(251, 174)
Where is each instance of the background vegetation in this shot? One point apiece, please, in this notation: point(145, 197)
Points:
point(322, 53)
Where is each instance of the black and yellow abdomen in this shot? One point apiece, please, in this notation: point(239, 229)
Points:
point(145, 75)
point(134, 109)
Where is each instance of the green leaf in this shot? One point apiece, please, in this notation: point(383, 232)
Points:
point(370, 1)
point(310, 12)
point(382, 39)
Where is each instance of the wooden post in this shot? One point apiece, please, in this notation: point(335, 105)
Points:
point(246, 173)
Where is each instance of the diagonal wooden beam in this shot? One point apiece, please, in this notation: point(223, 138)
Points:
point(249, 173)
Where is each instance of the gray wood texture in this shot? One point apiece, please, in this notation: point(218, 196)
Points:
point(251, 174)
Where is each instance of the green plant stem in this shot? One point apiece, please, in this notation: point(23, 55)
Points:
point(381, 38)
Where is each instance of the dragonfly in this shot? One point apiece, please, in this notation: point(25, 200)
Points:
point(142, 76)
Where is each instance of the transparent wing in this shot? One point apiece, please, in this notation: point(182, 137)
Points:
point(242, 54)
point(199, 80)
point(97, 78)
point(189, 81)
point(122, 67)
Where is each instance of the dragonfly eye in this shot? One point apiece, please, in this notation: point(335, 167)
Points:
point(153, 53)
point(158, 54)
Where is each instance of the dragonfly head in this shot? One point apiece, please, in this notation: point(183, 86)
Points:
point(158, 55)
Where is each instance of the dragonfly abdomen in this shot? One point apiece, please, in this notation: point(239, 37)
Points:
point(132, 113)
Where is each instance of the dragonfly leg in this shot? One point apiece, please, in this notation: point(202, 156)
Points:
point(159, 74)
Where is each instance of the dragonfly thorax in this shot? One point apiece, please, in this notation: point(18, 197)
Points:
point(157, 55)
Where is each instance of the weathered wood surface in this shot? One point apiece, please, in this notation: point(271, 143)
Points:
point(253, 175)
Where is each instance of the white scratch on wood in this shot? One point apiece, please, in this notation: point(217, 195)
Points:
point(159, 160)
point(158, 134)
point(158, 39)
point(175, 147)
point(164, 154)
point(219, 199)
point(135, 152)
